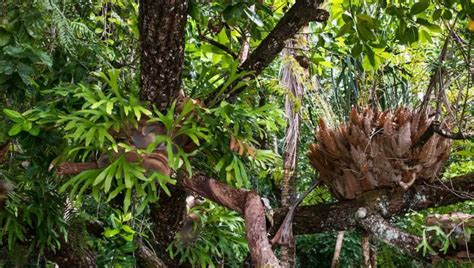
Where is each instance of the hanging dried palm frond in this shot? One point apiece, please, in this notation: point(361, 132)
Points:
point(377, 149)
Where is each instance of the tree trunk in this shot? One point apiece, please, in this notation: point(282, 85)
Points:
point(294, 97)
point(167, 217)
point(162, 41)
point(162, 38)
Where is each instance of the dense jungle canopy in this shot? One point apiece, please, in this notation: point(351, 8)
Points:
point(236, 133)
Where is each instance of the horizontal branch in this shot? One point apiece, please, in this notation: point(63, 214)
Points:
point(340, 216)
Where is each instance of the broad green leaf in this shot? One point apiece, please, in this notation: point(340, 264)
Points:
point(13, 115)
point(15, 129)
point(345, 28)
point(111, 232)
point(419, 7)
point(253, 16)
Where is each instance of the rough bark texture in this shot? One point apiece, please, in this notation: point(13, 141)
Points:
point(249, 205)
point(376, 225)
point(335, 217)
point(256, 233)
point(161, 25)
point(167, 216)
point(74, 252)
point(162, 41)
point(340, 216)
point(146, 258)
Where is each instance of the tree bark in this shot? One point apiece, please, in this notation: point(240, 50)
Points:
point(167, 217)
point(376, 225)
point(340, 216)
point(293, 100)
point(161, 24)
point(300, 14)
point(146, 258)
point(162, 39)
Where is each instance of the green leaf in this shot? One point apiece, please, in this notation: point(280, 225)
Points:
point(447, 15)
point(127, 229)
point(100, 177)
point(127, 200)
point(345, 28)
point(419, 7)
point(14, 51)
point(437, 14)
point(4, 37)
point(364, 33)
point(6, 67)
point(110, 175)
point(111, 232)
point(13, 115)
point(34, 131)
point(115, 192)
point(253, 16)
point(17, 128)
point(395, 11)
point(128, 180)
point(90, 135)
point(425, 36)
point(368, 21)
point(232, 12)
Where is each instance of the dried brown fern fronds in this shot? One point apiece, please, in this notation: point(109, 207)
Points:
point(377, 149)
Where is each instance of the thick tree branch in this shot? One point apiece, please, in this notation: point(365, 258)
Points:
point(376, 225)
point(339, 216)
point(168, 216)
point(248, 204)
point(300, 14)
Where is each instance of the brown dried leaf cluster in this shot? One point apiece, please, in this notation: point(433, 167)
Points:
point(377, 149)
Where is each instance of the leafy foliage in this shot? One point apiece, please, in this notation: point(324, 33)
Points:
point(217, 238)
point(69, 92)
